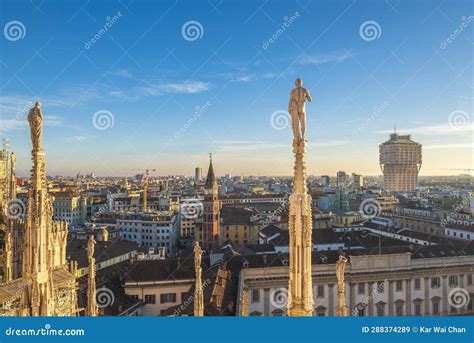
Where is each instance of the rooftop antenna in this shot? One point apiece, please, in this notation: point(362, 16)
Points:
point(395, 129)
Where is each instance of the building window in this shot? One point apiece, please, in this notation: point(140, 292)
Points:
point(361, 288)
point(399, 285)
point(168, 298)
point(381, 309)
point(453, 280)
point(321, 311)
point(255, 295)
point(399, 306)
point(417, 283)
point(278, 313)
point(435, 302)
point(418, 308)
point(435, 282)
point(150, 299)
point(320, 291)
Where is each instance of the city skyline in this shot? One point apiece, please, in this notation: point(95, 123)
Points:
point(148, 75)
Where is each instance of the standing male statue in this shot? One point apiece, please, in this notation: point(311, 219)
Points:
point(297, 110)
point(90, 247)
point(35, 119)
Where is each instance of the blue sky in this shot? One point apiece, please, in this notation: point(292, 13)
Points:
point(151, 79)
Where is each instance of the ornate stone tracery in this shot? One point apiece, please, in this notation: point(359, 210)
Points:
point(300, 292)
point(46, 286)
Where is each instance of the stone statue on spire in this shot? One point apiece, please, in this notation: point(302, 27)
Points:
point(297, 110)
point(341, 299)
point(300, 223)
point(35, 120)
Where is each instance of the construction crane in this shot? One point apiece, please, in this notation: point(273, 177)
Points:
point(464, 169)
point(145, 176)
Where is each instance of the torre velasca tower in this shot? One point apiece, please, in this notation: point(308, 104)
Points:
point(400, 161)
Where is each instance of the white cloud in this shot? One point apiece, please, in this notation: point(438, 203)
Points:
point(336, 56)
point(329, 143)
point(157, 89)
point(122, 73)
point(450, 146)
point(442, 129)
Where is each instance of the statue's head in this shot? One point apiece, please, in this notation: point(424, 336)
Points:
point(298, 82)
point(38, 104)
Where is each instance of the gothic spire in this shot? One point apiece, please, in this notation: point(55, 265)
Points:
point(211, 176)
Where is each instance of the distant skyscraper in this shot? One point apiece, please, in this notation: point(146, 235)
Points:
point(325, 180)
point(357, 181)
point(342, 179)
point(210, 218)
point(198, 174)
point(400, 161)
